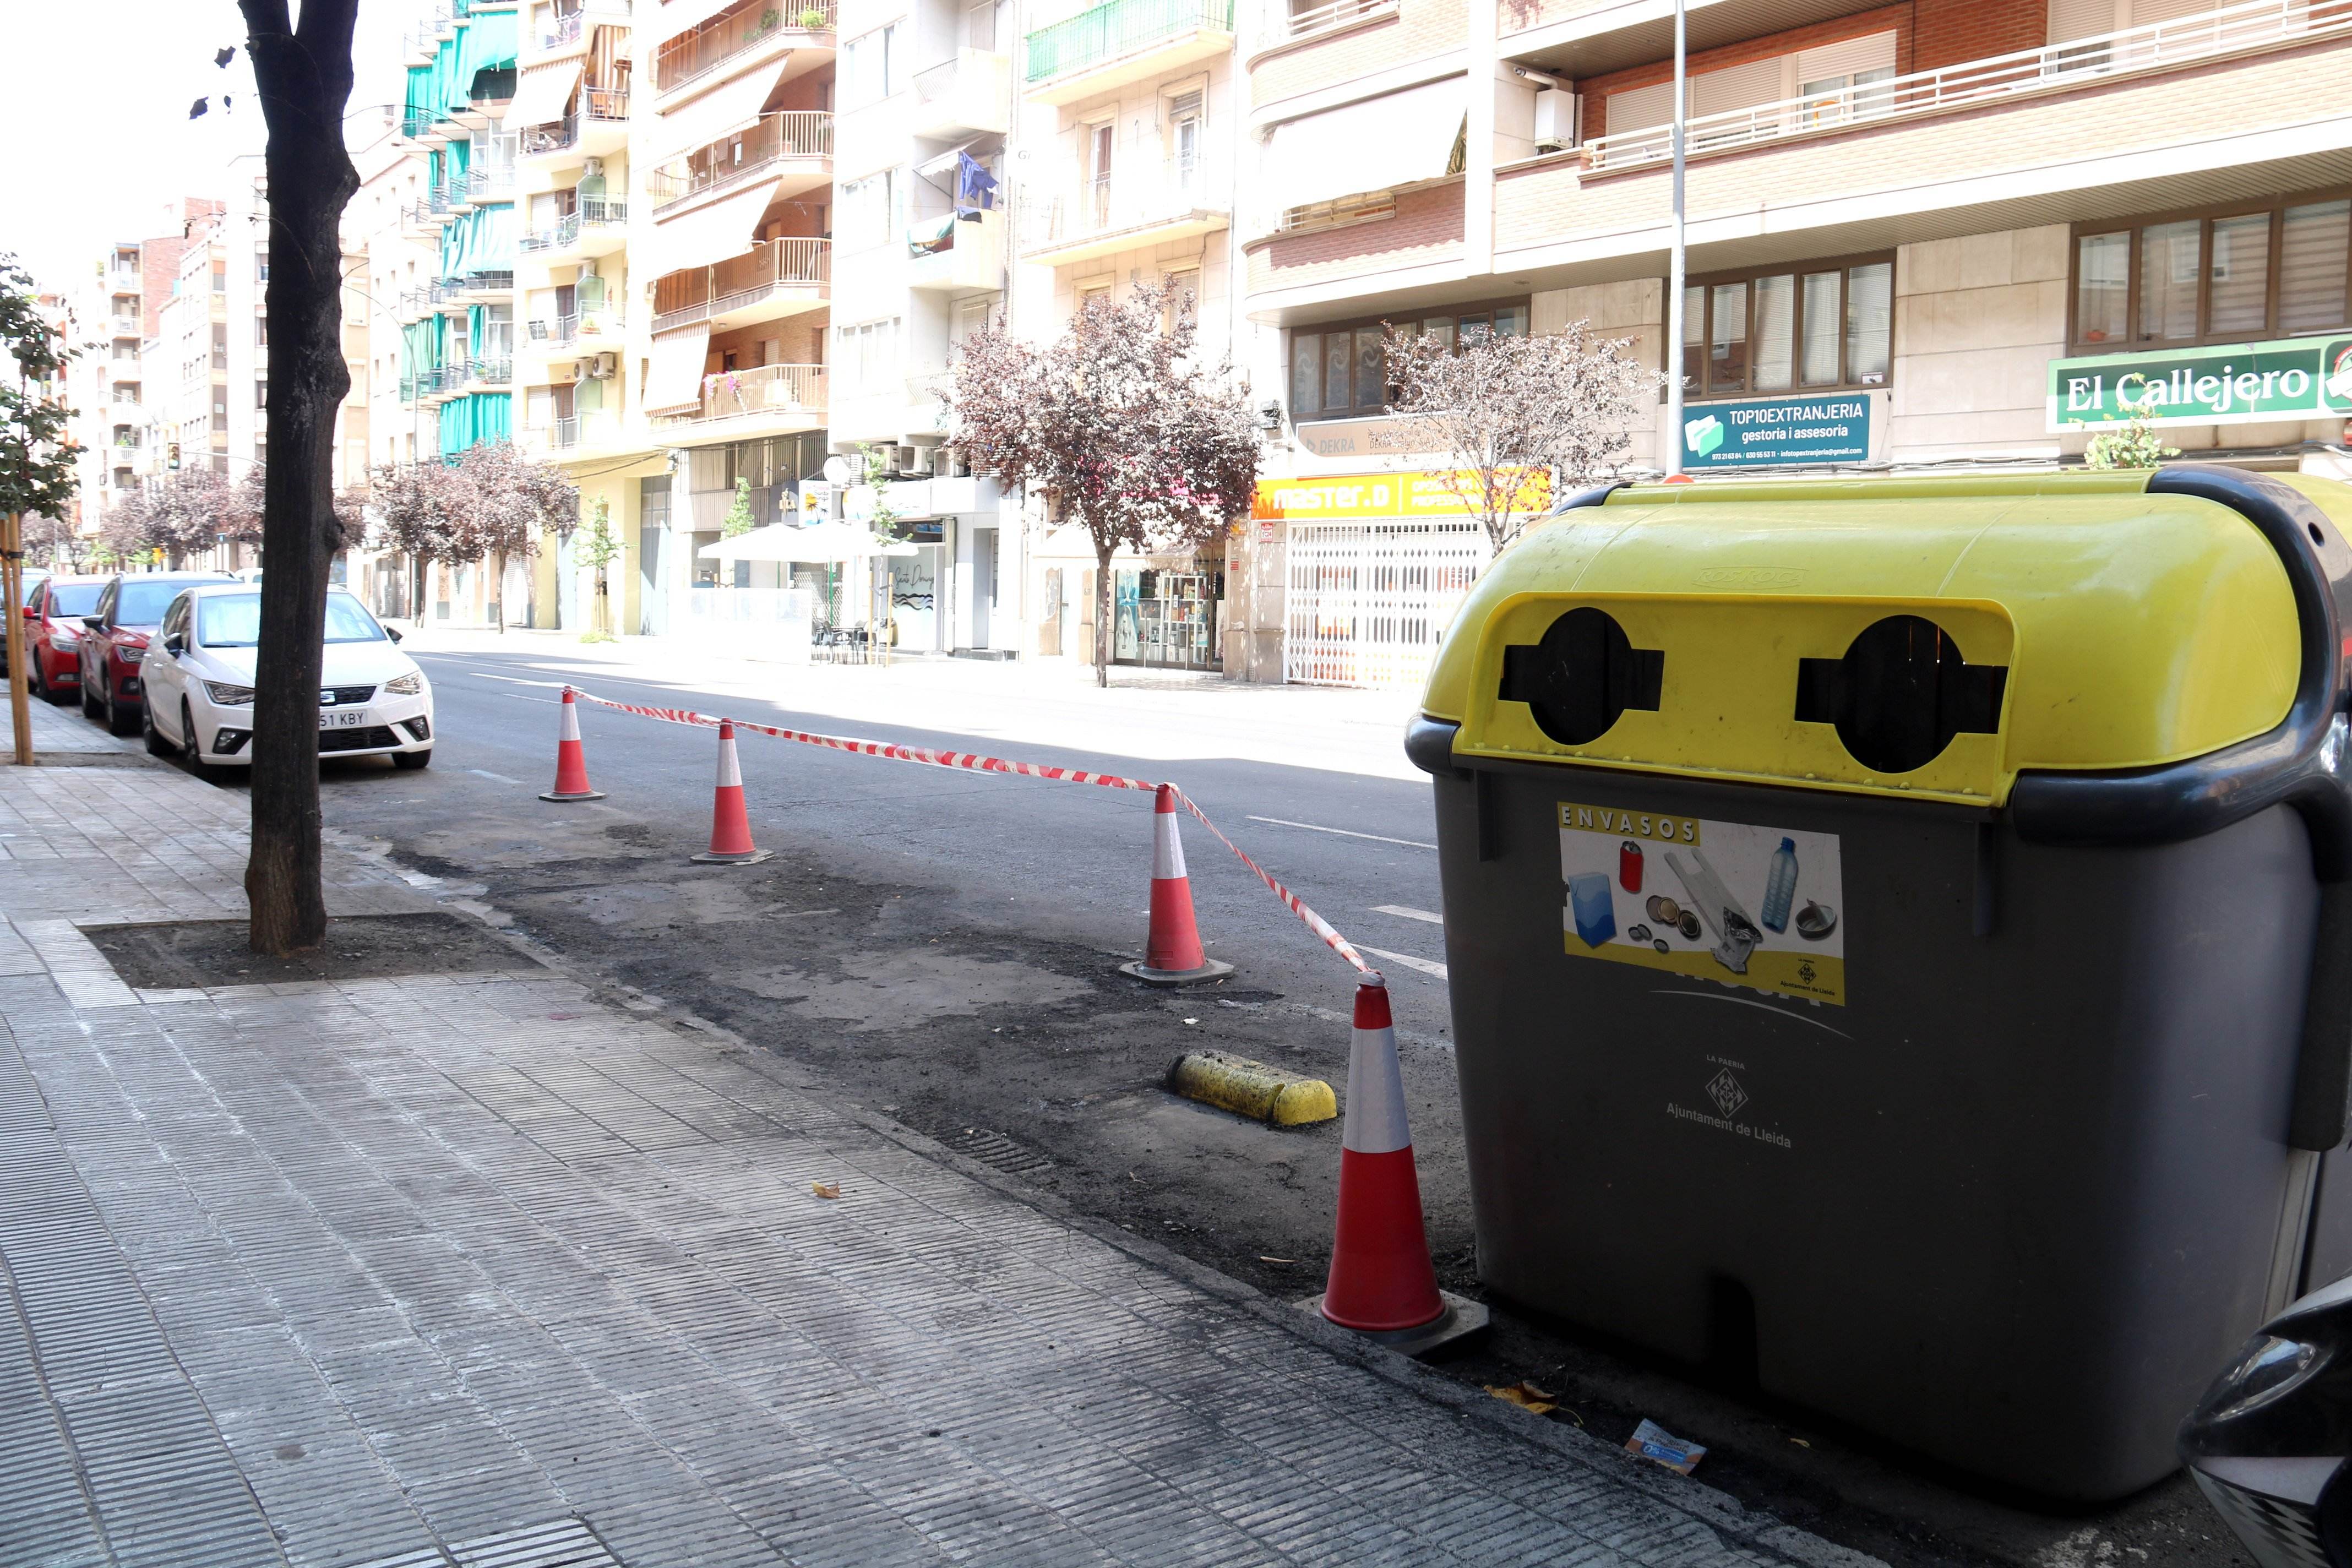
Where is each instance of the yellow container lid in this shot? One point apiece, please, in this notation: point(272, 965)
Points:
point(1930, 638)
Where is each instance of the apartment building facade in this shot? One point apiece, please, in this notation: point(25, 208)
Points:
point(1934, 234)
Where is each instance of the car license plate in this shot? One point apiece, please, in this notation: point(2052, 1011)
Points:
point(351, 721)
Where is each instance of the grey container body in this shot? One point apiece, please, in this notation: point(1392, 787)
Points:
point(2035, 1186)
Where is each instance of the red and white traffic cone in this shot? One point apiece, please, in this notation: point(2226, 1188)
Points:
point(570, 762)
point(1381, 1282)
point(1172, 947)
point(730, 825)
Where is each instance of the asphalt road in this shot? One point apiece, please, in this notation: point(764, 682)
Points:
point(941, 944)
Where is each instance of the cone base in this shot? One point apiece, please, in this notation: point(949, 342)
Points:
point(748, 857)
point(1210, 970)
point(1460, 1318)
point(574, 794)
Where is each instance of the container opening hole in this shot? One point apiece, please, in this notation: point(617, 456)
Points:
point(1900, 694)
point(1730, 1331)
point(1581, 679)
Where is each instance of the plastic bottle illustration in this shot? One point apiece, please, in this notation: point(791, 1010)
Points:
point(1781, 886)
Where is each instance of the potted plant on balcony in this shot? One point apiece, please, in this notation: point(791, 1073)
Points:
point(770, 19)
point(813, 19)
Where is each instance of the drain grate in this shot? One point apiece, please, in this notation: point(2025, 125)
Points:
point(994, 1149)
point(559, 1543)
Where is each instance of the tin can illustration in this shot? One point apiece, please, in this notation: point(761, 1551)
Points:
point(1629, 866)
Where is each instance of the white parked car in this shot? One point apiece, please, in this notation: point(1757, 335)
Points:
point(199, 673)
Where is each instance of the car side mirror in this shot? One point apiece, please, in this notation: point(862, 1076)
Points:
point(176, 645)
point(391, 632)
point(93, 623)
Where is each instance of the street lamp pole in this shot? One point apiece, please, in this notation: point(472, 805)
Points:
point(1673, 355)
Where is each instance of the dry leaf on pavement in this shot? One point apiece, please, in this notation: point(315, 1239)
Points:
point(1527, 1396)
point(825, 1189)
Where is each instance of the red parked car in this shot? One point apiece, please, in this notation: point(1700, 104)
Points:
point(129, 610)
point(53, 629)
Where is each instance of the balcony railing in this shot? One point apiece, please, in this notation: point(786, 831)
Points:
point(604, 102)
point(1121, 28)
point(537, 139)
point(684, 298)
point(491, 369)
point(595, 212)
point(126, 326)
point(484, 282)
point(1124, 199)
point(561, 331)
point(776, 137)
point(1300, 22)
point(492, 182)
point(713, 44)
point(2053, 67)
point(767, 392)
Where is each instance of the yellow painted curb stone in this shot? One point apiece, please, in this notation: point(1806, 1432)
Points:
point(1254, 1089)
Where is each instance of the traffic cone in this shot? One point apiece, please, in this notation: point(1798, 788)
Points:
point(1381, 1282)
point(1172, 947)
point(570, 762)
point(730, 825)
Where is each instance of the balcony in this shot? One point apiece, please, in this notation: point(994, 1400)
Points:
point(489, 183)
point(968, 95)
point(571, 30)
point(791, 145)
point(2160, 46)
point(776, 279)
point(126, 326)
point(489, 371)
point(768, 401)
point(591, 331)
point(598, 228)
point(1125, 209)
point(2008, 136)
point(1121, 42)
point(691, 56)
point(955, 256)
point(476, 288)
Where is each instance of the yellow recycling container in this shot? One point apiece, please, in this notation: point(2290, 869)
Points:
point(1901, 942)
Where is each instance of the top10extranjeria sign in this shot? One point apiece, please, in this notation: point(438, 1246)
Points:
point(2227, 383)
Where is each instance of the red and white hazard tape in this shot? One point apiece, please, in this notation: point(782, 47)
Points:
point(975, 762)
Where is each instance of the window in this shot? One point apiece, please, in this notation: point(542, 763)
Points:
point(220, 277)
point(1828, 325)
point(869, 211)
point(1187, 125)
point(2231, 275)
point(220, 345)
point(1340, 372)
point(1184, 295)
point(261, 267)
point(870, 67)
point(261, 394)
point(865, 358)
point(261, 331)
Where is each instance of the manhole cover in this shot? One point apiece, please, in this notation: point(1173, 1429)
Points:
point(995, 1149)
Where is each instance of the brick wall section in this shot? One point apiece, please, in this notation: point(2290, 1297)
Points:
point(1419, 29)
point(1951, 32)
point(1901, 18)
point(1548, 201)
point(799, 339)
point(1427, 228)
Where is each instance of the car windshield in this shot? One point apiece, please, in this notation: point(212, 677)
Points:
point(70, 599)
point(142, 603)
point(233, 620)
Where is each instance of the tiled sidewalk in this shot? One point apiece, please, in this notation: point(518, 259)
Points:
point(472, 1270)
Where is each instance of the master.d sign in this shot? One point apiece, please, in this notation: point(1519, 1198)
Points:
point(1832, 428)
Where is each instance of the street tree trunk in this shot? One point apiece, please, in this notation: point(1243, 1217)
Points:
point(1102, 615)
point(305, 82)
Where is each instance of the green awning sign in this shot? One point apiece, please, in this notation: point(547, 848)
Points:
point(2229, 383)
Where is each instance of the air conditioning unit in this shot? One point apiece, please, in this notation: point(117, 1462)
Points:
point(1557, 116)
point(902, 458)
point(920, 459)
point(591, 168)
point(601, 367)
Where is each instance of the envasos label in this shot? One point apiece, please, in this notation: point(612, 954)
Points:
point(1729, 901)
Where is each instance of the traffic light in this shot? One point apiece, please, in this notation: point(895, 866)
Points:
point(172, 455)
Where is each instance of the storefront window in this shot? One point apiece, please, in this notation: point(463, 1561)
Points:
point(1771, 332)
point(2230, 276)
point(1340, 372)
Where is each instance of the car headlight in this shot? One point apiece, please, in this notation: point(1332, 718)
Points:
point(65, 642)
point(404, 685)
point(229, 696)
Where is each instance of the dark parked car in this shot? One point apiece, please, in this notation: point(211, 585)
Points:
point(33, 577)
point(2268, 1442)
point(129, 610)
point(53, 633)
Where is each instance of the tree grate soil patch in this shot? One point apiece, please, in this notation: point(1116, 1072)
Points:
point(187, 954)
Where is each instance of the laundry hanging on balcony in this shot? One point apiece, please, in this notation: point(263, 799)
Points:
point(975, 188)
point(931, 235)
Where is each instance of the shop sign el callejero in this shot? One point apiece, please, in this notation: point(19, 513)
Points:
point(2230, 384)
point(1830, 427)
